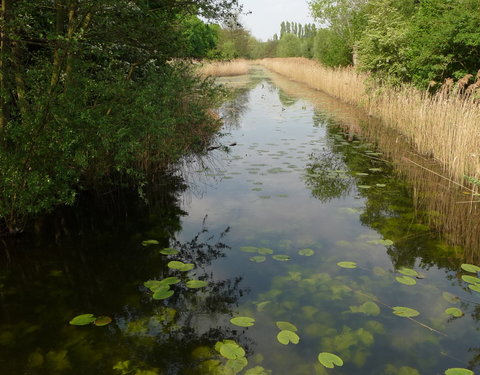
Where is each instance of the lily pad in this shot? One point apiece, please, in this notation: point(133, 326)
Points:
point(249, 249)
point(330, 360)
point(236, 365)
point(455, 312)
point(405, 312)
point(232, 350)
point(82, 320)
point(306, 252)
point(243, 321)
point(470, 268)
point(258, 259)
point(475, 287)
point(286, 326)
point(281, 258)
point(364, 186)
point(169, 251)
point(449, 297)
point(406, 280)
point(102, 321)
point(350, 265)
point(162, 293)
point(265, 251)
point(458, 371)
point(285, 337)
point(150, 242)
point(177, 265)
point(386, 242)
point(471, 279)
point(196, 284)
point(408, 272)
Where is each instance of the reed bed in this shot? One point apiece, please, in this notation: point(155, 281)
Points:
point(445, 126)
point(225, 68)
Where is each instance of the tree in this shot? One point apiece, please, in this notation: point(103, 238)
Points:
point(289, 46)
point(331, 49)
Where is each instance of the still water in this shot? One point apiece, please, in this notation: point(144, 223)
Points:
point(300, 229)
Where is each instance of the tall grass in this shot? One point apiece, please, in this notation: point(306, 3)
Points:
point(225, 68)
point(443, 126)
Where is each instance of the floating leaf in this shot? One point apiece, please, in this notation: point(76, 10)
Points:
point(458, 371)
point(449, 297)
point(169, 251)
point(102, 321)
point(306, 252)
point(405, 312)
point(408, 272)
point(330, 360)
point(470, 268)
point(406, 280)
point(364, 186)
point(380, 185)
point(368, 308)
point(176, 265)
point(249, 249)
point(82, 320)
point(475, 287)
point(232, 350)
point(285, 337)
point(236, 365)
point(150, 242)
point(281, 258)
point(471, 279)
point(243, 321)
point(286, 326)
point(265, 251)
point(361, 174)
point(385, 242)
point(162, 294)
point(453, 311)
point(195, 284)
point(170, 281)
point(258, 259)
point(347, 264)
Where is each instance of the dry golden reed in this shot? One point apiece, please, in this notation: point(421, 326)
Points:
point(445, 127)
point(225, 68)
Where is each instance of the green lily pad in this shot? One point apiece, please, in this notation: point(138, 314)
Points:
point(102, 321)
point(154, 285)
point(150, 242)
point(285, 337)
point(236, 365)
point(406, 280)
point(265, 251)
point(286, 326)
point(169, 251)
point(232, 350)
point(455, 312)
point(258, 259)
point(243, 321)
point(82, 320)
point(195, 284)
point(408, 272)
point(163, 293)
point(249, 249)
point(475, 287)
point(281, 258)
point(470, 268)
point(458, 371)
point(350, 265)
point(306, 252)
point(405, 312)
point(180, 266)
point(471, 279)
point(364, 186)
point(385, 242)
point(330, 360)
point(449, 297)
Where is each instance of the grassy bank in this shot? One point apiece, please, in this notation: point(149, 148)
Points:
point(444, 126)
point(225, 68)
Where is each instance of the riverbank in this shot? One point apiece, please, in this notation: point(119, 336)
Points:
point(225, 68)
point(443, 126)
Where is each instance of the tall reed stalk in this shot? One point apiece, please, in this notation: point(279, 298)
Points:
point(444, 126)
point(225, 68)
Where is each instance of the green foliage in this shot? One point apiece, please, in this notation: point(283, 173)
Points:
point(289, 46)
point(331, 49)
point(89, 101)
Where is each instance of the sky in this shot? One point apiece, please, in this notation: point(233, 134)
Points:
point(268, 14)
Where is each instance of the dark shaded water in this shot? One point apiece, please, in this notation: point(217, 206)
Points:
point(295, 181)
